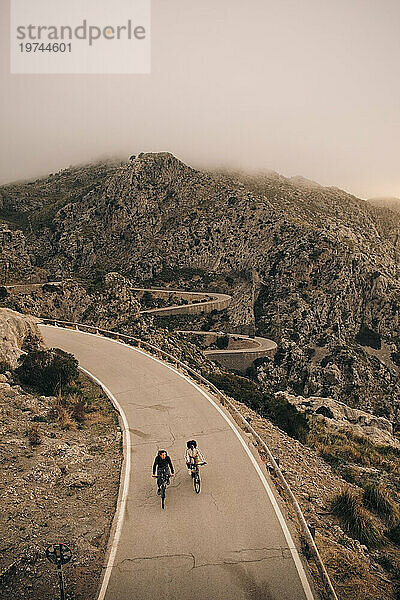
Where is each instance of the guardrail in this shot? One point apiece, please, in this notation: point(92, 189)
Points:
point(225, 401)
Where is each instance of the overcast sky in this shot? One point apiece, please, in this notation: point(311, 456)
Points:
point(303, 87)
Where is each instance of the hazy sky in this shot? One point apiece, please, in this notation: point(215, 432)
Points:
point(304, 87)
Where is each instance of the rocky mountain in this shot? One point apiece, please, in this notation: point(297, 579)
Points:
point(314, 268)
point(390, 203)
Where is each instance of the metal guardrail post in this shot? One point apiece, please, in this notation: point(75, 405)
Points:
point(225, 401)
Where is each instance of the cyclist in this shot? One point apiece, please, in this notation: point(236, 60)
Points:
point(193, 456)
point(162, 463)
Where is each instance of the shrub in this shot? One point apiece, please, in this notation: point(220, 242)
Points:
point(34, 435)
point(222, 342)
point(240, 388)
point(377, 498)
point(394, 534)
point(279, 410)
point(78, 410)
point(288, 418)
point(347, 506)
point(4, 366)
point(39, 419)
point(395, 357)
point(368, 337)
point(47, 371)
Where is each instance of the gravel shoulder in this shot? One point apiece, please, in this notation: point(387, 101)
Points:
point(59, 483)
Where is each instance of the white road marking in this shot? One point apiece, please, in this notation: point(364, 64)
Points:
point(120, 512)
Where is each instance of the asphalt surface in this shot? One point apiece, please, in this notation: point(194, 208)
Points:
point(225, 543)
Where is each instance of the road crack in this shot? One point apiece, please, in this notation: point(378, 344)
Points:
point(270, 553)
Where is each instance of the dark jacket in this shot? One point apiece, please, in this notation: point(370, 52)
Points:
point(162, 463)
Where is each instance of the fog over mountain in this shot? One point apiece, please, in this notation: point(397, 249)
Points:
point(307, 88)
point(391, 203)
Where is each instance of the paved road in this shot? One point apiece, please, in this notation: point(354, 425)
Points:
point(227, 542)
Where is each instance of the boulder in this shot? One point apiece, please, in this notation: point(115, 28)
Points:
point(18, 332)
point(377, 429)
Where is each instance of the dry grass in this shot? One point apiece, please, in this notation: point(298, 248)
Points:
point(342, 449)
point(81, 405)
point(61, 412)
point(377, 498)
point(347, 507)
point(96, 418)
point(352, 575)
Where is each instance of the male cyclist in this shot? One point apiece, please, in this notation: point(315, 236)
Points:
point(162, 463)
point(193, 456)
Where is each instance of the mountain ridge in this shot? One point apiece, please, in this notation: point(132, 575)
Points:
point(311, 267)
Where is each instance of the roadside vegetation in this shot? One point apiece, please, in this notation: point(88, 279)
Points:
point(48, 371)
point(278, 410)
point(354, 457)
point(368, 513)
point(75, 401)
point(347, 506)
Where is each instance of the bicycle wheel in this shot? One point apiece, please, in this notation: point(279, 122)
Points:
point(196, 483)
point(163, 495)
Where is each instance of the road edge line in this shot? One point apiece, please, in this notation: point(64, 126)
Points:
point(116, 526)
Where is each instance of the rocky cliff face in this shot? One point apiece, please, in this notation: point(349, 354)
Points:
point(18, 332)
point(111, 304)
point(314, 268)
point(16, 262)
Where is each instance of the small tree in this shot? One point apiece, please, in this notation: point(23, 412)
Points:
point(48, 371)
point(222, 342)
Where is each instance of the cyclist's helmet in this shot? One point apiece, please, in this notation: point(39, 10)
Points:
point(191, 444)
point(162, 452)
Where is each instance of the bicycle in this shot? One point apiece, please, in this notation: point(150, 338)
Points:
point(162, 482)
point(194, 467)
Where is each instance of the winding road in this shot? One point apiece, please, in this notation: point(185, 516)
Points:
point(231, 540)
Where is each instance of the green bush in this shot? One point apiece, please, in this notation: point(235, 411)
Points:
point(48, 371)
point(288, 418)
point(278, 410)
point(347, 506)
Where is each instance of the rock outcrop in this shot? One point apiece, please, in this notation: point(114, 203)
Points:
point(18, 333)
point(377, 429)
point(16, 262)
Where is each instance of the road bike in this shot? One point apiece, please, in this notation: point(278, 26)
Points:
point(162, 482)
point(194, 467)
